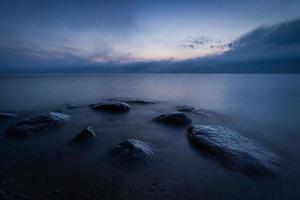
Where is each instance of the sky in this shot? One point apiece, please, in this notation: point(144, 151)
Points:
point(70, 33)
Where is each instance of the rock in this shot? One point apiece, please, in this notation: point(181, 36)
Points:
point(88, 133)
point(59, 116)
point(135, 100)
point(111, 106)
point(133, 150)
point(191, 109)
point(233, 150)
point(176, 119)
point(37, 123)
point(185, 108)
point(7, 115)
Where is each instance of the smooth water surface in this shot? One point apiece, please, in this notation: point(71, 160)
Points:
point(265, 108)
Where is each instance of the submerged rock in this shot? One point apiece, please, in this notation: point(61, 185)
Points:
point(191, 109)
point(185, 108)
point(133, 150)
point(111, 106)
point(7, 115)
point(135, 100)
point(233, 150)
point(88, 133)
point(176, 119)
point(37, 123)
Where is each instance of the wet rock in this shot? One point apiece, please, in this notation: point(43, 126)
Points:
point(111, 106)
point(88, 133)
point(37, 123)
point(133, 150)
point(176, 119)
point(135, 100)
point(59, 117)
point(191, 109)
point(7, 115)
point(233, 150)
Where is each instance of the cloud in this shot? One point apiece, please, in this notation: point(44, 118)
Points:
point(268, 49)
point(205, 42)
point(273, 48)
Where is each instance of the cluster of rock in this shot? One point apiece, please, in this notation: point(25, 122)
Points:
point(231, 149)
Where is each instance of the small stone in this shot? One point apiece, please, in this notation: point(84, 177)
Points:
point(86, 134)
point(175, 119)
point(134, 150)
point(111, 106)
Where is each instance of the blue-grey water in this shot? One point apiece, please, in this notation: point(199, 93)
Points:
point(264, 108)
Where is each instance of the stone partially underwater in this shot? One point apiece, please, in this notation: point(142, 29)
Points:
point(133, 151)
point(174, 119)
point(111, 106)
point(233, 150)
point(37, 123)
point(87, 134)
point(197, 111)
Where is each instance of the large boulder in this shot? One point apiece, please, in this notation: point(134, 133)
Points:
point(37, 123)
point(86, 134)
point(175, 119)
point(233, 150)
point(133, 150)
point(7, 115)
point(135, 100)
point(111, 106)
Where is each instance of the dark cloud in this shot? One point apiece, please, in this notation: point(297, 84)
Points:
point(266, 49)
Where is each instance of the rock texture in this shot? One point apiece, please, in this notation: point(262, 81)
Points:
point(111, 106)
point(86, 134)
point(37, 123)
point(175, 119)
point(133, 150)
point(233, 150)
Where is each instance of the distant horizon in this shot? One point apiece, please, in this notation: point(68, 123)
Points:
point(142, 37)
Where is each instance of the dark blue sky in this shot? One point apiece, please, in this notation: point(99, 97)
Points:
point(49, 33)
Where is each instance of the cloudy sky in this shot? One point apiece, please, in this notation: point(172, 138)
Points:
point(70, 32)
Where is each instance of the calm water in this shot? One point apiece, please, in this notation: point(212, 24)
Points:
point(265, 108)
